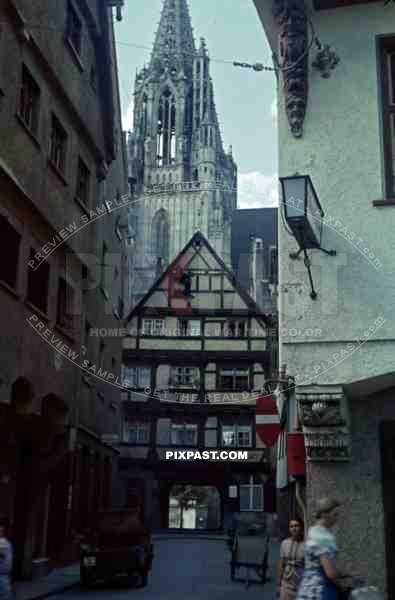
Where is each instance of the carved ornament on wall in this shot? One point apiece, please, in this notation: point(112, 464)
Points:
point(293, 40)
point(327, 446)
point(325, 427)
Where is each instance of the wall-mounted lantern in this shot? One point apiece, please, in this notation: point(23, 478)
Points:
point(119, 5)
point(303, 214)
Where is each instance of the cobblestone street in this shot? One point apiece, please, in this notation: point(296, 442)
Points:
point(193, 569)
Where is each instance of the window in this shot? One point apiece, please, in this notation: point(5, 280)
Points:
point(235, 329)
point(103, 265)
point(120, 307)
point(101, 354)
point(189, 327)
point(74, 28)
point(92, 77)
point(137, 433)
point(188, 376)
point(29, 101)
point(58, 146)
point(184, 434)
point(234, 379)
point(251, 496)
point(387, 56)
point(9, 247)
point(118, 231)
point(237, 436)
point(166, 130)
point(273, 265)
point(65, 305)
point(153, 327)
point(86, 339)
point(210, 432)
point(37, 284)
point(83, 181)
point(160, 233)
point(138, 377)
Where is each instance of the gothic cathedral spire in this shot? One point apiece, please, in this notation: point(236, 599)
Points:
point(183, 178)
point(174, 45)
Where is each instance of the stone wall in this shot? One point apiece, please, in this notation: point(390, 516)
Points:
point(360, 531)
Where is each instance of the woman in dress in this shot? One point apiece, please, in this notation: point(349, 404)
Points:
point(290, 565)
point(5, 562)
point(320, 573)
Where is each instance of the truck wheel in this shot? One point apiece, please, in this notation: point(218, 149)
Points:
point(85, 581)
point(132, 579)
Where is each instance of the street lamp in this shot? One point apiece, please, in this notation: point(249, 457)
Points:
point(303, 214)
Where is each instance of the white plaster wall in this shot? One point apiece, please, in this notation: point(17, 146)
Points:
point(341, 151)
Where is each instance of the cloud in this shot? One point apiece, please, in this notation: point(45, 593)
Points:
point(274, 109)
point(256, 190)
point(127, 119)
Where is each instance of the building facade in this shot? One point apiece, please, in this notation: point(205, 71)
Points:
point(196, 356)
point(336, 124)
point(63, 174)
point(182, 176)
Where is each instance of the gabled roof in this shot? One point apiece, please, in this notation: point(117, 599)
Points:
point(181, 260)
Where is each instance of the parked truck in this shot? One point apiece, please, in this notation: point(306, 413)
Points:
point(119, 545)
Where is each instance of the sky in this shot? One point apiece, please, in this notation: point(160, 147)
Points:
point(245, 99)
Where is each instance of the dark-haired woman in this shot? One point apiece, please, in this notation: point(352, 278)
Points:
point(290, 565)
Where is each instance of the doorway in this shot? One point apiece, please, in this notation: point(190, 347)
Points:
point(194, 507)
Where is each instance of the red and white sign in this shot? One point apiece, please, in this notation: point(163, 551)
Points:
point(267, 419)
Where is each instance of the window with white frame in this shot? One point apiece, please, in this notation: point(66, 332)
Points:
point(188, 376)
point(189, 327)
point(235, 380)
point(154, 327)
point(236, 436)
point(183, 434)
point(251, 496)
point(139, 377)
point(137, 433)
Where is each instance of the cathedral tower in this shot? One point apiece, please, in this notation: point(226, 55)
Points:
point(183, 179)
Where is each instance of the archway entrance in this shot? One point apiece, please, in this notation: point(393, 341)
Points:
point(194, 507)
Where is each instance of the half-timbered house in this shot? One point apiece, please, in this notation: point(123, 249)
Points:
point(196, 356)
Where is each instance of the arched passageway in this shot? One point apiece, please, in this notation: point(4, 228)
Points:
point(194, 507)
